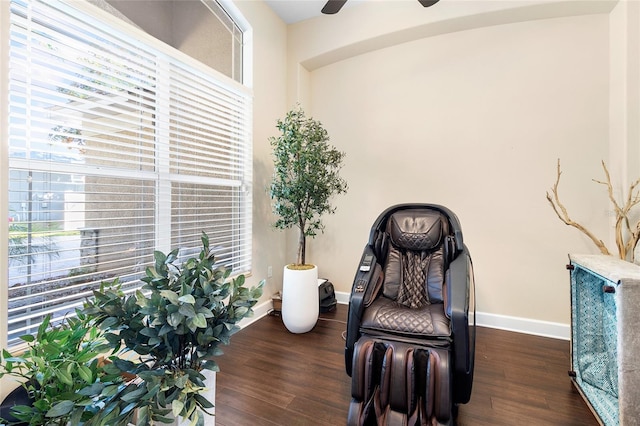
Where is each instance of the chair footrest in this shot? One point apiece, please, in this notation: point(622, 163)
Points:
point(395, 383)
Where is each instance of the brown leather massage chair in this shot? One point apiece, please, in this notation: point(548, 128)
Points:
point(410, 340)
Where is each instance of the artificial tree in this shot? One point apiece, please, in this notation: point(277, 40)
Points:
point(306, 176)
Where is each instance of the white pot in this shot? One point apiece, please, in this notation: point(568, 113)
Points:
point(300, 300)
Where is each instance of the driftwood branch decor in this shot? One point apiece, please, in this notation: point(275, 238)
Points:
point(627, 235)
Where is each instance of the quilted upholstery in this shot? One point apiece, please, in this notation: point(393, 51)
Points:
point(434, 275)
point(386, 315)
point(413, 292)
point(416, 230)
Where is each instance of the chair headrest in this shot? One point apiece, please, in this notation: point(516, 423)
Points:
point(416, 229)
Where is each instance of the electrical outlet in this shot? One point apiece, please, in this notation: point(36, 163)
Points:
point(269, 272)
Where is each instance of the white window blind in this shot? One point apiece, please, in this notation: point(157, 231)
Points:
point(117, 147)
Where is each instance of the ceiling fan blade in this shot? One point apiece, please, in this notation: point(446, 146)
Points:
point(333, 6)
point(427, 3)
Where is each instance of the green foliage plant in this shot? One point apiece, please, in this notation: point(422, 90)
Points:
point(165, 334)
point(305, 178)
point(61, 372)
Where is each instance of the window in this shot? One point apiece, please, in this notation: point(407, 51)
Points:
point(118, 145)
point(201, 29)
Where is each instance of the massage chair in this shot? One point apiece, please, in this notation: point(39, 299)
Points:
point(410, 338)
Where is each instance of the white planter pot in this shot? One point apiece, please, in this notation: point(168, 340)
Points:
point(300, 300)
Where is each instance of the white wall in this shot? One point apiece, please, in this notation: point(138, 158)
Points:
point(472, 114)
point(624, 96)
point(269, 104)
point(475, 121)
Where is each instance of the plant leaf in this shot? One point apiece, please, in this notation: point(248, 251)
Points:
point(171, 296)
point(28, 338)
point(200, 321)
point(204, 402)
point(175, 319)
point(62, 408)
point(176, 407)
point(64, 376)
point(187, 298)
point(85, 373)
point(134, 395)
point(187, 310)
point(149, 332)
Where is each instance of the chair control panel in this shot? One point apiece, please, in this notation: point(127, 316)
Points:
point(365, 266)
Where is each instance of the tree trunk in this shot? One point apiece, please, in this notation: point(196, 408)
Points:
point(302, 246)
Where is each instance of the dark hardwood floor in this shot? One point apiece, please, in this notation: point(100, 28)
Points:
point(272, 377)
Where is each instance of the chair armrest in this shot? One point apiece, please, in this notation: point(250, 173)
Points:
point(363, 291)
point(461, 310)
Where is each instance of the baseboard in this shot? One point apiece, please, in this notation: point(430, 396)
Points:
point(342, 297)
point(504, 322)
point(554, 330)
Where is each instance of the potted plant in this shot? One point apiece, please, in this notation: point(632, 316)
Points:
point(163, 340)
point(305, 178)
point(166, 336)
point(60, 374)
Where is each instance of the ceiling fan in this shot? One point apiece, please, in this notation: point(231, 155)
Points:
point(334, 6)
